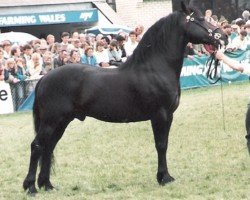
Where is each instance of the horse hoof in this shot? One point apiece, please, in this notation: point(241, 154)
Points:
point(248, 146)
point(46, 184)
point(32, 191)
point(27, 185)
point(164, 179)
point(49, 187)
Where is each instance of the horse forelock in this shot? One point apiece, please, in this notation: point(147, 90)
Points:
point(159, 41)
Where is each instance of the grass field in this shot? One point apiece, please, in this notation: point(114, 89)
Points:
point(97, 160)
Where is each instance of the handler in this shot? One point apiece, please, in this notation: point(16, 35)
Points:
point(243, 68)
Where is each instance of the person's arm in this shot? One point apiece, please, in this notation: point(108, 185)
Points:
point(230, 62)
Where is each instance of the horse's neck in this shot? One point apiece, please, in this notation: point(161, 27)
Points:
point(173, 56)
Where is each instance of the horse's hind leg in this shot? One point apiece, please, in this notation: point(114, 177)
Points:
point(29, 182)
point(53, 134)
point(161, 124)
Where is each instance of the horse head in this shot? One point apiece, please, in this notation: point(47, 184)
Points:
point(198, 30)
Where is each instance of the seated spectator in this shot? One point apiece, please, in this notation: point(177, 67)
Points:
point(199, 50)
point(61, 59)
point(78, 46)
point(42, 49)
point(74, 57)
point(43, 42)
point(57, 48)
point(34, 66)
point(7, 49)
point(21, 64)
point(13, 74)
point(215, 20)
point(247, 28)
point(241, 23)
point(114, 53)
point(99, 37)
point(189, 51)
point(90, 39)
point(139, 29)
point(246, 15)
point(15, 52)
point(2, 59)
point(1, 72)
point(208, 16)
point(235, 31)
point(227, 29)
point(88, 57)
point(48, 63)
point(82, 38)
point(106, 41)
point(27, 52)
point(101, 55)
point(65, 41)
point(120, 39)
point(50, 39)
point(240, 42)
point(75, 35)
point(131, 44)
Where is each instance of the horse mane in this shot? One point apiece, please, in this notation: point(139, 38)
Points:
point(156, 41)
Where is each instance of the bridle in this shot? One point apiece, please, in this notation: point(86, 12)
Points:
point(211, 72)
point(211, 31)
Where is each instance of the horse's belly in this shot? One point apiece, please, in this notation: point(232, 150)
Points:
point(121, 114)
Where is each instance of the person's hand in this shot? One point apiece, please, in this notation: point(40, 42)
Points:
point(190, 57)
point(219, 54)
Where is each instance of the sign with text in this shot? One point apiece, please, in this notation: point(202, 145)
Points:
point(194, 70)
point(6, 104)
point(90, 15)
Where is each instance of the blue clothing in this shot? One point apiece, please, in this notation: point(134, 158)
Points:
point(16, 74)
point(89, 60)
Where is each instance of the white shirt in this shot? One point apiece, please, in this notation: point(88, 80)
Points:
point(102, 56)
point(130, 47)
point(239, 44)
point(246, 69)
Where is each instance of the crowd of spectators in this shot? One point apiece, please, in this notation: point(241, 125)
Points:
point(38, 57)
point(238, 32)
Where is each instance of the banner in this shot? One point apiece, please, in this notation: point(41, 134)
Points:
point(194, 70)
point(90, 15)
point(6, 104)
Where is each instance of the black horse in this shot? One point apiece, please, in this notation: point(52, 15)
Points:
point(145, 87)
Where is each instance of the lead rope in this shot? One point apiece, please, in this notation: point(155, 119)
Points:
point(211, 74)
point(222, 105)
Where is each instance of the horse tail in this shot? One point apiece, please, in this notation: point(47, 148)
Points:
point(36, 112)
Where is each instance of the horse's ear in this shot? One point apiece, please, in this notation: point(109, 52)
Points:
point(184, 8)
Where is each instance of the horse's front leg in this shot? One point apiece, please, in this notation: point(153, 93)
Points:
point(161, 124)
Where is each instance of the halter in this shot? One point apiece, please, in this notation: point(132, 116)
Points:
point(212, 60)
point(210, 31)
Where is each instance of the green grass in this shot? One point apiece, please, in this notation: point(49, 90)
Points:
point(98, 160)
